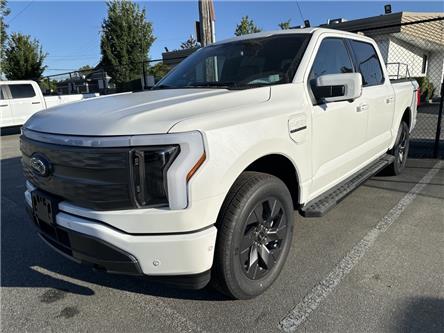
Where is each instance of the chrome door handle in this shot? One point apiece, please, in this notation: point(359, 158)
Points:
point(362, 107)
point(35, 102)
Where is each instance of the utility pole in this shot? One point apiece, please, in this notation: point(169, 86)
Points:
point(206, 19)
point(208, 35)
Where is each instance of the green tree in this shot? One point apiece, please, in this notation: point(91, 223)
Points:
point(4, 11)
point(85, 68)
point(24, 58)
point(82, 71)
point(159, 70)
point(48, 86)
point(126, 40)
point(246, 26)
point(190, 43)
point(285, 25)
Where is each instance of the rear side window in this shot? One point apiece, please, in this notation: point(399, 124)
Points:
point(368, 63)
point(332, 58)
point(21, 90)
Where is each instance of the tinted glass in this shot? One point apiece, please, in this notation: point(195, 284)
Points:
point(240, 64)
point(21, 90)
point(332, 58)
point(368, 63)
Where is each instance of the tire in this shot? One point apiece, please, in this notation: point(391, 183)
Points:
point(253, 238)
point(400, 151)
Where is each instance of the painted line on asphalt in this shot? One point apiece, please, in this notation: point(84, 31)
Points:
point(313, 299)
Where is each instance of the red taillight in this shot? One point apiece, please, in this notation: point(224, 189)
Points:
point(418, 97)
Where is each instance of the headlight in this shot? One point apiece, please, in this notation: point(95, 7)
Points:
point(174, 158)
point(161, 164)
point(149, 170)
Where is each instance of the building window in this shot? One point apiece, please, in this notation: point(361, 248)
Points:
point(425, 60)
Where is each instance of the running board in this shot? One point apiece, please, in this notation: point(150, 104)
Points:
point(322, 204)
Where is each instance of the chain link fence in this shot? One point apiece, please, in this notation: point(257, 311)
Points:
point(98, 80)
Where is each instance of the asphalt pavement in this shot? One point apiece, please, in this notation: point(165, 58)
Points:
point(375, 263)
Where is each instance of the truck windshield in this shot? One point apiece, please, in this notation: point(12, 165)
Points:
point(240, 64)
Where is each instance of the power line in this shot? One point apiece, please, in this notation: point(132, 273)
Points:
point(18, 14)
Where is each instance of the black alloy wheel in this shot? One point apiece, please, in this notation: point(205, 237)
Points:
point(262, 239)
point(400, 151)
point(255, 229)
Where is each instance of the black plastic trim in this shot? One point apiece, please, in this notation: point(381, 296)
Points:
point(320, 205)
point(123, 263)
point(192, 281)
point(86, 249)
point(298, 129)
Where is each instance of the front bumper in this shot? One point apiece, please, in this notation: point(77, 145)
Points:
point(170, 258)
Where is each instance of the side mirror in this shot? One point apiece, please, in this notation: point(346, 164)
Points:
point(338, 87)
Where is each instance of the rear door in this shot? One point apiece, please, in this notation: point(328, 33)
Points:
point(339, 128)
point(377, 96)
point(24, 101)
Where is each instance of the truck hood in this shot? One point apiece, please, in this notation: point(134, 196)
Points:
point(148, 112)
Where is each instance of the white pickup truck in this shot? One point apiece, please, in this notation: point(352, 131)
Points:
point(199, 178)
point(19, 100)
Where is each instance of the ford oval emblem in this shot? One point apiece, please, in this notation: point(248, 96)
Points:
point(40, 165)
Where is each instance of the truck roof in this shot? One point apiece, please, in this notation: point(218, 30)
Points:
point(287, 32)
point(17, 82)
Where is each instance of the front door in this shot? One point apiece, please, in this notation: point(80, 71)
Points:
point(339, 128)
point(24, 101)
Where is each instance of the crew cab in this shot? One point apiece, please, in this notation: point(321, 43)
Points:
point(19, 100)
point(199, 179)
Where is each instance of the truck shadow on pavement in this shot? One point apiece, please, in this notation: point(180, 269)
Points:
point(27, 262)
point(421, 314)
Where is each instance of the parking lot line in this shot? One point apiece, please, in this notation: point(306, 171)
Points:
point(313, 299)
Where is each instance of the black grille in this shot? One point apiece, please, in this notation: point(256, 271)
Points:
point(90, 177)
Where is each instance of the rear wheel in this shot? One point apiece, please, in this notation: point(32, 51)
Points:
point(400, 151)
point(254, 238)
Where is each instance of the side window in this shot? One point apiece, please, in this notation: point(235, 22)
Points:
point(1, 93)
point(368, 63)
point(332, 58)
point(21, 90)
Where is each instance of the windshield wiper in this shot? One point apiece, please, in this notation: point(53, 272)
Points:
point(211, 84)
point(256, 85)
point(163, 86)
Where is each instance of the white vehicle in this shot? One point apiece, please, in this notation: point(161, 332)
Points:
point(200, 176)
point(19, 100)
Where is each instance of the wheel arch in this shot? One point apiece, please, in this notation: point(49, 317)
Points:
point(407, 117)
point(282, 167)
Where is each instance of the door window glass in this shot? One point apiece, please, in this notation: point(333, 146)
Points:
point(21, 90)
point(368, 63)
point(332, 58)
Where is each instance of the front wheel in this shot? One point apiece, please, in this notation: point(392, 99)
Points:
point(254, 237)
point(400, 151)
